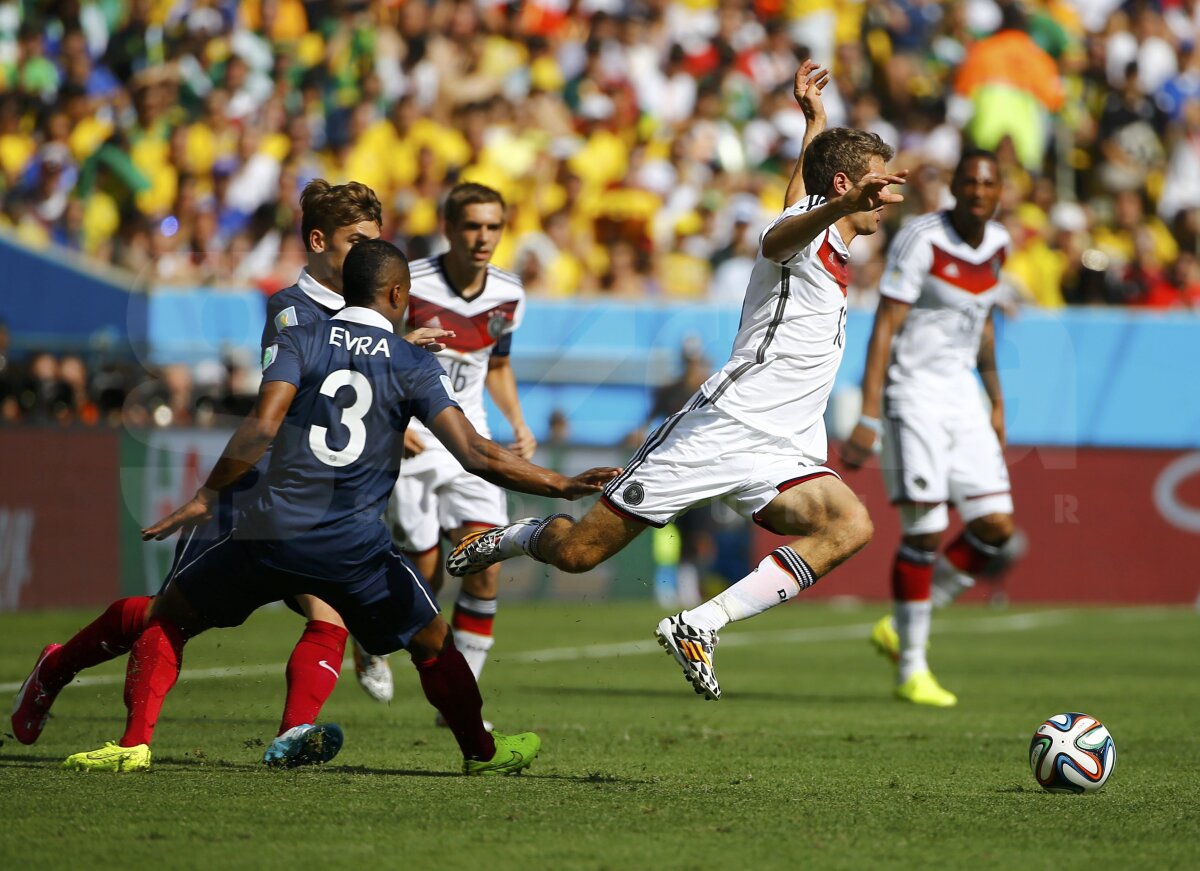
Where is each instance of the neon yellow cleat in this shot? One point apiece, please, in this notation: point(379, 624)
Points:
point(884, 638)
point(514, 753)
point(111, 757)
point(923, 689)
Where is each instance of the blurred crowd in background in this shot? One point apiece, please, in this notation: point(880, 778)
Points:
point(641, 144)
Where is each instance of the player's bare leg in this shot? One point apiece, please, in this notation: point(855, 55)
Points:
point(452, 690)
point(832, 526)
point(558, 540)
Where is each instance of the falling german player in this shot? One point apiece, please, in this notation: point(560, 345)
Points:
point(753, 435)
point(335, 400)
point(933, 330)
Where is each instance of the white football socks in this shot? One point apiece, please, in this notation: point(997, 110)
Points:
point(781, 576)
point(948, 582)
point(474, 649)
point(912, 625)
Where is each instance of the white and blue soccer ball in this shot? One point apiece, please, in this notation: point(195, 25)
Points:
point(1072, 753)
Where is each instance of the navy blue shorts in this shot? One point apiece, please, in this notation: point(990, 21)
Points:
point(225, 582)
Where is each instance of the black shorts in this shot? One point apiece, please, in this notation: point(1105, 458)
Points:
point(225, 582)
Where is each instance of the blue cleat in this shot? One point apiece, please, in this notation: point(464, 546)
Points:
point(305, 745)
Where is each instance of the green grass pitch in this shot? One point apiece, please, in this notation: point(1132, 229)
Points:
point(806, 761)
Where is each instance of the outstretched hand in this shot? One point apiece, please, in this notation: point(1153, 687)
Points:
point(871, 191)
point(194, 512)
point(810, 80)
point(589, 482)
point(427, 338)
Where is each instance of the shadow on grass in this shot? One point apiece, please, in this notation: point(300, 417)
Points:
point(752, 696)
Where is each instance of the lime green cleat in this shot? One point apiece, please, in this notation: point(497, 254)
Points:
point(111, 757)
point(514, 753)
point(923, 689)
point(884, 638)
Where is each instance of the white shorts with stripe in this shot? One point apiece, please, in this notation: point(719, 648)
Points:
point(701, 454)
point(435, 493)
point(932, 456)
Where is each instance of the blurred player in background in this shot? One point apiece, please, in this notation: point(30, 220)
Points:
point(482, 306)
point(334, 218)
point(933, 330)
point(334, 402)
point(754, 434)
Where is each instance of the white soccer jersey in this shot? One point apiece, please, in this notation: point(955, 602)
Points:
point(790, 341)
point(952, 288)
point(483, 327)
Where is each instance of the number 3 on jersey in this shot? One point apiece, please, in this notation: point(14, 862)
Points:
point(352, 417)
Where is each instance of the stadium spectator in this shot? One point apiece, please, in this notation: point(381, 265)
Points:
point(611, 127)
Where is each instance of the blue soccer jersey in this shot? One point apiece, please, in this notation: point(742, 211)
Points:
point(305, 302)
point(336, 457)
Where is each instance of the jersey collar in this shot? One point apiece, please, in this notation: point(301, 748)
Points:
point(366, 316)
point(319, 293)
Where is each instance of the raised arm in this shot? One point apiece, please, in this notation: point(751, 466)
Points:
point(795, 232)
point(810, 80)
point(502, 467)
point(889, 317)
point(245, 448)
point(986, 362)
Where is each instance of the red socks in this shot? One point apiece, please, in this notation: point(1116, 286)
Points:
point(970, 555)
point(153, 669)
point(108, 636)
point(451, 688)
point(312, 672)
point(912, 574)
point(473, 615)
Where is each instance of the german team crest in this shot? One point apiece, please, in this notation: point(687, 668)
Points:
point(634, 494)
point(286, 318)
point(499, 323)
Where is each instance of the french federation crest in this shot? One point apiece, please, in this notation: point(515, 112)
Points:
point(286, 318)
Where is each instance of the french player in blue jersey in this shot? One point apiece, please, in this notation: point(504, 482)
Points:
point(335, 400)
point(334, 218)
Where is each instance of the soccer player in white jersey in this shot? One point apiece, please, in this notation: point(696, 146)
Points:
point(482, 306)
point(753, 435)
point(933, 330)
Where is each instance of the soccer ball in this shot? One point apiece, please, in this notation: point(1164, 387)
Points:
point(1072, 753)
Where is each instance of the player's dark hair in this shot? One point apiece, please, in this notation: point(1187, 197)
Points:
point(975, 154)
point(326, 207)
point(468, 194)
point(841, 149)
point(370, 267)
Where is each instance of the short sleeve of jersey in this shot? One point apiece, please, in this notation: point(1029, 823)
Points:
point(909, 261)
point(281, 360)
point(427, 389)
point(806, 204)
point(279, 318)
point(503, 346)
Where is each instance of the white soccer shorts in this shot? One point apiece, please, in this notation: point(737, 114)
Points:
point(439, 494)
point(934, 456)
point(701, 454)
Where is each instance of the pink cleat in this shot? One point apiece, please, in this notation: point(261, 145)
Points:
point(31, 707)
